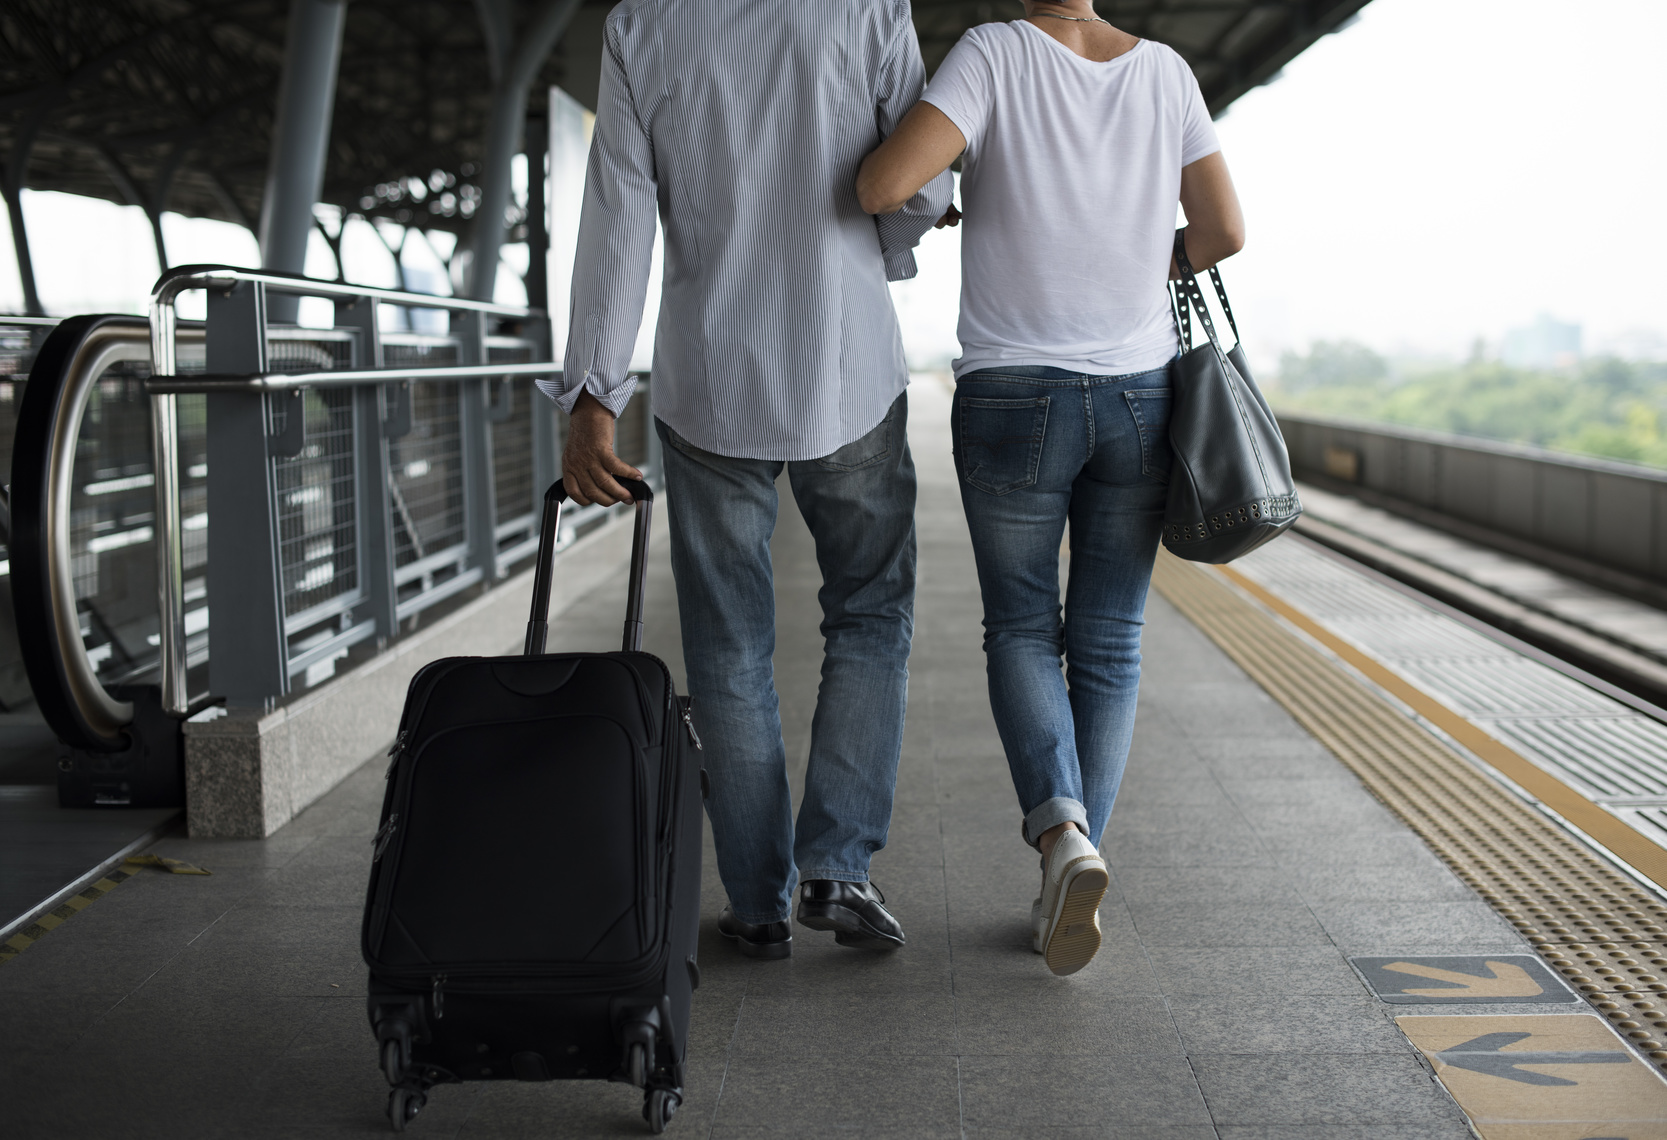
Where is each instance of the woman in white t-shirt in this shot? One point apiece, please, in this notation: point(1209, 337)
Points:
point(1077, 142)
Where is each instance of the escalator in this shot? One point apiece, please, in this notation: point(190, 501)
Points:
point(65, 740)
point(83, 565)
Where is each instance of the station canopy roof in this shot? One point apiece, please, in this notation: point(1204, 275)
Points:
point(168, 104)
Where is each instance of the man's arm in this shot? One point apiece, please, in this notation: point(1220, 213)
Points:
point(610, 283)
point(901, 81)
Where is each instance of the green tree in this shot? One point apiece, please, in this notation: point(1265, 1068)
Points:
point(1329, 364)
point(1608, 407)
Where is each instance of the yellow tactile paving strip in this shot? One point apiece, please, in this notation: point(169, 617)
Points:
point(81, 900)
point(59, 914)
point(1589, 921)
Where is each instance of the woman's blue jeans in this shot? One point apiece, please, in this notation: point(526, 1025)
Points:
point(1038, 448)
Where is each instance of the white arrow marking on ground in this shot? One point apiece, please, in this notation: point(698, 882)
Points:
point(1507, 981)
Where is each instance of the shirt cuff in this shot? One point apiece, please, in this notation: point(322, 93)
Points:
point(900, 265)
point(614, 399)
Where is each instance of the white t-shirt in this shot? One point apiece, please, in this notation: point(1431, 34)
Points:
point(1071, 178)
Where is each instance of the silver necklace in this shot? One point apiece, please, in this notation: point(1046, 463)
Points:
point(1073, 19)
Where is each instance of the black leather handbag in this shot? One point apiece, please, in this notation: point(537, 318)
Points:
point(1230, 485)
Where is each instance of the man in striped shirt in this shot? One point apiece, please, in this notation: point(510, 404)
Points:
point(742, 124)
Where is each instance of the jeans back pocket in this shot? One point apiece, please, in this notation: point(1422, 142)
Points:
point(866, 450)
point(1000, 441)
point(1150, 408)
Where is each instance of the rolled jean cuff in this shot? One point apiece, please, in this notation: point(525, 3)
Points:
point(1052, 813)
point(835, 876)
point(763, 918)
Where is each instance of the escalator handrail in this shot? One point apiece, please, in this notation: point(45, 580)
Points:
point(64, 681)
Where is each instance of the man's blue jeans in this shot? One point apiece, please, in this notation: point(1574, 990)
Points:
point(1037, 448)
point(859, 503)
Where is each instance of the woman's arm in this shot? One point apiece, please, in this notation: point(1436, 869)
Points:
point(921, 148)
point(1215, 223)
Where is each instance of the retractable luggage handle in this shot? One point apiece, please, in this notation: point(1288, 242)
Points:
point(538, 626)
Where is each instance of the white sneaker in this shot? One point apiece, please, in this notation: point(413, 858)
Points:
point(1065, 921)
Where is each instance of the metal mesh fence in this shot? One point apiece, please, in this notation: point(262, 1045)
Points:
point(318, 527)
point(512, 452)
point(512, 438)
point(191, 416)
point(17, 353)
point(425, 477)
point(284, 354)
point(631, 432)
point(317, 521)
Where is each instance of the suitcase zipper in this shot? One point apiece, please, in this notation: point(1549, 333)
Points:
point(689, 724)
point(439, 996)
point(394, 753)
point(383, 835)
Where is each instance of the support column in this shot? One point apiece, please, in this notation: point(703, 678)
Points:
point(509, 108)
point(300, 139)
point(12, 185)
point(538, 214)
point(157, 201)
point(20, 247)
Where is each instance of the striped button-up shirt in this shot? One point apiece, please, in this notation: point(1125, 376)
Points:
point(742, 123)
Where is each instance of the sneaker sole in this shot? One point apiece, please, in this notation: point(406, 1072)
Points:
point(1074, 933)
point(848, 927)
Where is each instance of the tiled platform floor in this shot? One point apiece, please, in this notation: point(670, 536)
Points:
point(1248, 865)
point(44, 848)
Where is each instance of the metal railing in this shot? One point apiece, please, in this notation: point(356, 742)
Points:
point(1610, 516)
point(359, 476)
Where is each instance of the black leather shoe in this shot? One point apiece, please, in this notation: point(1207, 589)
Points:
point(855, 912)
point(765, 940)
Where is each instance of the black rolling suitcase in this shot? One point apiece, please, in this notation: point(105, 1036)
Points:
point(535, 887)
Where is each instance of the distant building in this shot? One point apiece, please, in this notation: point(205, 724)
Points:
point(1547, 343)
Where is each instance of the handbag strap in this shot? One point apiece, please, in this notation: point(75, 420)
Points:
point(1226, 309)
point(1181, 315)
point(1187, 290)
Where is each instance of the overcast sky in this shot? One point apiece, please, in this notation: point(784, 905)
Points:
point(1440, 171)
point(1447, 169)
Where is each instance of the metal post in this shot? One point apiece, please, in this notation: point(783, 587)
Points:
point(247, 653)
point(372, 408)
point(300, 138)
point(480, 505)
point(170, 560)
point(547, 419)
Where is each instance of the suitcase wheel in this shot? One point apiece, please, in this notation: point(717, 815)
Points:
point(659, 1106)
point(403, 1106)
point(393, 1061)
point(636, 1064)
